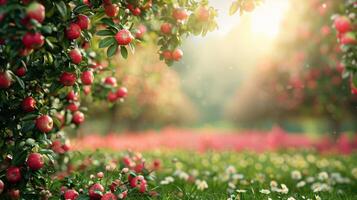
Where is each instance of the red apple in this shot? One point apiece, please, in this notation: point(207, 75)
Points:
point(28, 104)
point(36, 11)
point(180, 14)
point(71, 194)
point(122, 92)
point(109, 196)
point(33, 40)
point(76, 56)
point(5, 80)
point(20, 72)
point(44, 123)
point(68, 79)
point(2, 186)
point(123, 37)
point(73, 31)
point(166, 28)
point(96, 191)
point(83, 21)
point(110, 80)
point(177, 54)
point(73, 107)
point(87, 77)
point(348, 38)
point(202, 14)
point(35, 161)
point(78, 117)
point(14, 194)
point(13, 174)
point(3, 2)
point(111, 10)
point(112, 96)
point(342, 24)
point(167, 55)
point(72, 96)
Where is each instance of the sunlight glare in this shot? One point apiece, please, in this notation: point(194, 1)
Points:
point(267, 18)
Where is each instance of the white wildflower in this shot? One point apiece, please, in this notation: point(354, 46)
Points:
point(201, 185)
point(291, 198)
point(296, 175)
point(317, 197)
point(264, 191)
point(301, 184)
point(310, 179)
point(230, 169)
point(241, 191)
point(323, 176)
point(284, 189)
point(238, 176)
point(320, 187)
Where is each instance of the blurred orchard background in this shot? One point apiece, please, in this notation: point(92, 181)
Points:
point(276, 69)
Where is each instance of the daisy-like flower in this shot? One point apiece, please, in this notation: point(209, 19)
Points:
point(264, 191)
point(167, 180)
point(291, 198)
point(317, 197)
point(284, 189)
point(323, 176)
point(201, 185)
point(241, 191)
point(300, 184)
point(296, 175)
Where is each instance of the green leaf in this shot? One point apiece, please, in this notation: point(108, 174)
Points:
point(20, 81)
point(106, 42)
point(81, 9)
point(112, 50)
point(105, 33)
point(62, 9)
point(234, 8)
point(124, 52)
point(109, 22)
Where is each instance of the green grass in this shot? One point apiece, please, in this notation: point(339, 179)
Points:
point(252, 172)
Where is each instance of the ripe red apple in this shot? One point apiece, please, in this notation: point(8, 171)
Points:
point(122, 92)
point(136, 11)
point(167, 55)
point(202, 13)
point(123, 37)
point(36, 11)
point(87, 89)
point(2, 186)
point(14, 194)
point(35, 161)
point(3, 2)
point(73, 107)
point(177, 54)
point(180, 14)
point(33, 40)
point(44, 123)
point(76, 56)
point(5, 80)
point(166, 28)
point(140, 183)
point(110, 80)
point(111, 10)
point(109, 196)
point(73, 31)
point(87, 77)
point(71, 194)
point(20, 72)
point(72, 96)
point(78, 117)
point(13, 174)
point(68, 79)
point(96, 191)
point(342, 24)
point(348, 38)
point(112, 96)
point(83, 21)
point(140, 31)
point(28, 104)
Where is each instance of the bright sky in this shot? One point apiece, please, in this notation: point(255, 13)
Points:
point(265, 19)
